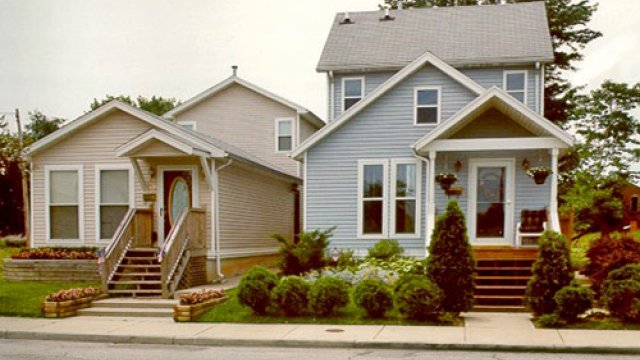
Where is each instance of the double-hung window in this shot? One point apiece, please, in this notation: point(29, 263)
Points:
point(63, 195)
point(405, 194)
point(383, 191)
point(284, 134)
point(427, 106)
point(114, 191)
point(352, 92)
point(515, 83)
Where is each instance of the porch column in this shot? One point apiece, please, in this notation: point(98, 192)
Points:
point(553, 203)
point(431, 200)
point(139, 175)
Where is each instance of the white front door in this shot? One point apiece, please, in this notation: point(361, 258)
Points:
point(491, 201)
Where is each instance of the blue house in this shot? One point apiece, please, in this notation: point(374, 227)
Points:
point(414, 93)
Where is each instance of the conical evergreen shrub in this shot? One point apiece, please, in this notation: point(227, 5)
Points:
point(551, 272)
point(451, 264)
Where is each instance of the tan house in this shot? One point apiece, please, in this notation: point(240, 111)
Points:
point(176, 200)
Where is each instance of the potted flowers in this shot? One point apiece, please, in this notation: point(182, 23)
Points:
point(539, 174)
point(446, 180)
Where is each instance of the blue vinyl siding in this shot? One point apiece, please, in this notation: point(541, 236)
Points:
point(485, 77)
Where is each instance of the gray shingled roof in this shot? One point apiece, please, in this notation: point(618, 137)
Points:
point(464, 35)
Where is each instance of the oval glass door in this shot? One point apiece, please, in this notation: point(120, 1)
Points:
point(177, 187)
point(178, 199)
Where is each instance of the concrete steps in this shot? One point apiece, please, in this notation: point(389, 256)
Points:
point(126, 307)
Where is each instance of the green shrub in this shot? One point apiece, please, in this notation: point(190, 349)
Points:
point(549, 320)
point(386, 249)
point(291, 296)
point(621, 293)
point(403, 279)
point(419, 299)
point(572, 301)
point(305, 253)
point(346, 259)
point(551, 272)
point(374, 297)
point(255, 288)
point(328, 295)
point(450, 265)
point(608, 254)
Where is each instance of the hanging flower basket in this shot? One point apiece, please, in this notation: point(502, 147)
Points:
point(454, 191)
point(446, 180)
point(539, 174)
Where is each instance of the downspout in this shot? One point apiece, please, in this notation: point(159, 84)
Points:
point(330, 79)
point(426, 203)
point(216, 186)
point(537, 87)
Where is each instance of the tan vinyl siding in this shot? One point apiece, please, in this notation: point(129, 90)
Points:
point(94, 144)
point(245, 119)
point(306, 130)
point(253, 206)
point(158, 148)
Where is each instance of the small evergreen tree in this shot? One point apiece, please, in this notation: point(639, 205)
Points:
point(551, 272)
point(451, 264)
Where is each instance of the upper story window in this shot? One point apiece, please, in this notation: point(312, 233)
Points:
point(515, 83)
point(352, 91)
point(284, 134)
point(427, 106)
point(191, 125)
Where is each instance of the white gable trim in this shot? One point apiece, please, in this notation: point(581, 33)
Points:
point(140, 141)
point(510, 101)
point(382, 89)
point(306, 114)
point(84, 120)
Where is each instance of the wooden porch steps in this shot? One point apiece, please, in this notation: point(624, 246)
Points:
point(138, 275)
point(502, 274)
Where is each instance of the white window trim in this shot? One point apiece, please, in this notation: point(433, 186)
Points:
point(96, 179)
point(47, 195)
point(504, 83)
point(277, 132)
point(393, 198)
point(438, 106)
point(385, 197)
point(344, 97)
point(193, 123)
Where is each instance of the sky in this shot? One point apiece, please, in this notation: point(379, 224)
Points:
point(57, 56)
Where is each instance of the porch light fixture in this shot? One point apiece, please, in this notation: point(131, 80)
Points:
point(457, 166)
point(526, 165)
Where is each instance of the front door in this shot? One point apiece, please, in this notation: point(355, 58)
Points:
point(176, 190)
point(491, 201)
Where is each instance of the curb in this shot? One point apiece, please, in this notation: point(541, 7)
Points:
point(165, 340)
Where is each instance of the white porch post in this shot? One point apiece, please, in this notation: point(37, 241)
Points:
point(139, 175)
point(553, 203)
point(431, 207)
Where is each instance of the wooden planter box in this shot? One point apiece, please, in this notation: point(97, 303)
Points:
point(62, 309)
point(183, 313)
point(51, 270)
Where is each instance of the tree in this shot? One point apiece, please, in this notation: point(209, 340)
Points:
point(450, 264)
point(156, 105)
point(569, 35)
point(607, 129)
point(40, 126)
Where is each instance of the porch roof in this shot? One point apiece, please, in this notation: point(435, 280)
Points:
point(545, 134)
point(173, 146)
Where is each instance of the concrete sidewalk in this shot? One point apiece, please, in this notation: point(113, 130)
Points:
point(482, 331)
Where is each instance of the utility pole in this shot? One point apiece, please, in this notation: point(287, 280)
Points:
point(24, 172)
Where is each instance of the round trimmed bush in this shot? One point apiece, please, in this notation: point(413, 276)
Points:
point(621, 293)
point(255, 288)
point(327, 295)
point(608, 254)
point(419, 299)
point(374, 297)
point(573, 301)
point(291, 295)
point(386, 250)
point(405, 278)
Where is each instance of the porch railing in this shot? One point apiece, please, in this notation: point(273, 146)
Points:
point(134, 231)
point(187, 234)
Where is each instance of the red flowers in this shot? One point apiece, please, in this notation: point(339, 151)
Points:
point(74, 294)
point(201, 296)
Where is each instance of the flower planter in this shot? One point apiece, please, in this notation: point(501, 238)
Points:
point(446, 180)
point(454, 191)
point(539, 179)
point(539, 174)
point(184, 313)
point(62, 309)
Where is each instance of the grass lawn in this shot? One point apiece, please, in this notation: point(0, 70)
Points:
point(232, 312)
point(23, 298)
point(598, 324)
